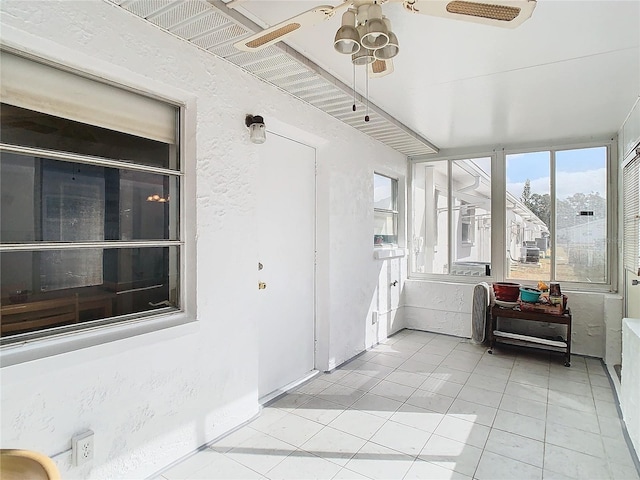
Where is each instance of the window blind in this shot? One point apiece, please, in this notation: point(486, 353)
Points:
point(32, 85)
point(631, 214)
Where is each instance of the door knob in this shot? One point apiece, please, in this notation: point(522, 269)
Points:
point(262, 285)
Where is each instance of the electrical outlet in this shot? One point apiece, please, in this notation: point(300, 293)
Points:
point(82, 447)
point(374, 318)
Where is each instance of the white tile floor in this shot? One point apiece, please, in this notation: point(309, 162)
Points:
point(432, 407)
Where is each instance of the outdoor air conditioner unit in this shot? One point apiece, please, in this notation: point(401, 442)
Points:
point(529, 254)
point(474, 269)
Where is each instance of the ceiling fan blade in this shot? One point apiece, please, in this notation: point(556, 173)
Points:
point(278, 32)
point(499, 13)
point(380, 68)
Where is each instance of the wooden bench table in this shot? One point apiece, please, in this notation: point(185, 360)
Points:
point(498, 336)
point(54, 309)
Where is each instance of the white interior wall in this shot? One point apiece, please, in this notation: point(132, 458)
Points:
point(354, 277)
point(446, 308)
point(623, 334)
point(630, 395)
point(153, 398)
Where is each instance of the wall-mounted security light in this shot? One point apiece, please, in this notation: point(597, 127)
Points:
point(257, 130)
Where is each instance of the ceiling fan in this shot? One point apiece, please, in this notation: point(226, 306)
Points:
point(367, 36)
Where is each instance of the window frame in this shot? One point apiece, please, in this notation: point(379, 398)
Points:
point(611, 283)
point(394, 211)
point(56, 341)
point(498, 207)
point(451, 159)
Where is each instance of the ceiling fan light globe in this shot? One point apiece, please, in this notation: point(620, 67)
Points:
point(375, 34)
point(347, 40)
point(363, 57)
point(390, 50)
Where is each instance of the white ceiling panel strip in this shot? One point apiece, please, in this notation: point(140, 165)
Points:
point(212, 26)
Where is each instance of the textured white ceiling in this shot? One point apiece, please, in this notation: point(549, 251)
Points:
point(570, 72)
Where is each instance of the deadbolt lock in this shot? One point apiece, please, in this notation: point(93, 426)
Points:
point(262, 285)
point(260, 266)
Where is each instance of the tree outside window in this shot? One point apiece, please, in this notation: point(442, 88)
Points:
point(574, 247)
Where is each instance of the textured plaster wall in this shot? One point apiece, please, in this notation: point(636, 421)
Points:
point(354, 276)
point(630, 401)
point(387, 300)
point(154, 398)
point(613, 307)
point(446, 308)
point(438, 307)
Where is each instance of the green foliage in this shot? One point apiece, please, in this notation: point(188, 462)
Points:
point(567, 210)
point(526, 192)
point(540, 205)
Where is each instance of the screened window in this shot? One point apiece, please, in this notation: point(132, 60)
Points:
point(385, 210)
point(556, 214)
point(451, 210)
point(90, 217)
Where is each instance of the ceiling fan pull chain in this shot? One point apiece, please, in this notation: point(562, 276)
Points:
point(366, 117)
point(354, 87)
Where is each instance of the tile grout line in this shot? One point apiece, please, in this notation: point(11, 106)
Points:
point(459, 355)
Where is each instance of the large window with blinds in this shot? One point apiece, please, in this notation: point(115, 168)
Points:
point(631, 215)
point(90, 215)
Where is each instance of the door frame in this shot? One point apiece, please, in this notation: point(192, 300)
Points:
point(291, 133)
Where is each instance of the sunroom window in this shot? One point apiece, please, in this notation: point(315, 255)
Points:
point(557, 219)
point(90, 218)
point(451, 209)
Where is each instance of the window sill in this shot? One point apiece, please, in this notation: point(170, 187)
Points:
point(586, 288)
point(386, 252)
point(17, 353)
point(451, 279)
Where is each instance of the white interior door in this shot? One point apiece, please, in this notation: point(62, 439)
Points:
point(286, 235)
point(632, 297)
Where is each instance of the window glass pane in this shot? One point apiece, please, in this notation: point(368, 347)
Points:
point(581, 215)
point(55, 201)
point(385, 228)
point(528, 219)
point(146, 211)
point(430, 206)
point(53, 288)
point(34, 129)
point(384, 192)
point(471, 184)
point(72, 197)
point(63, 269)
